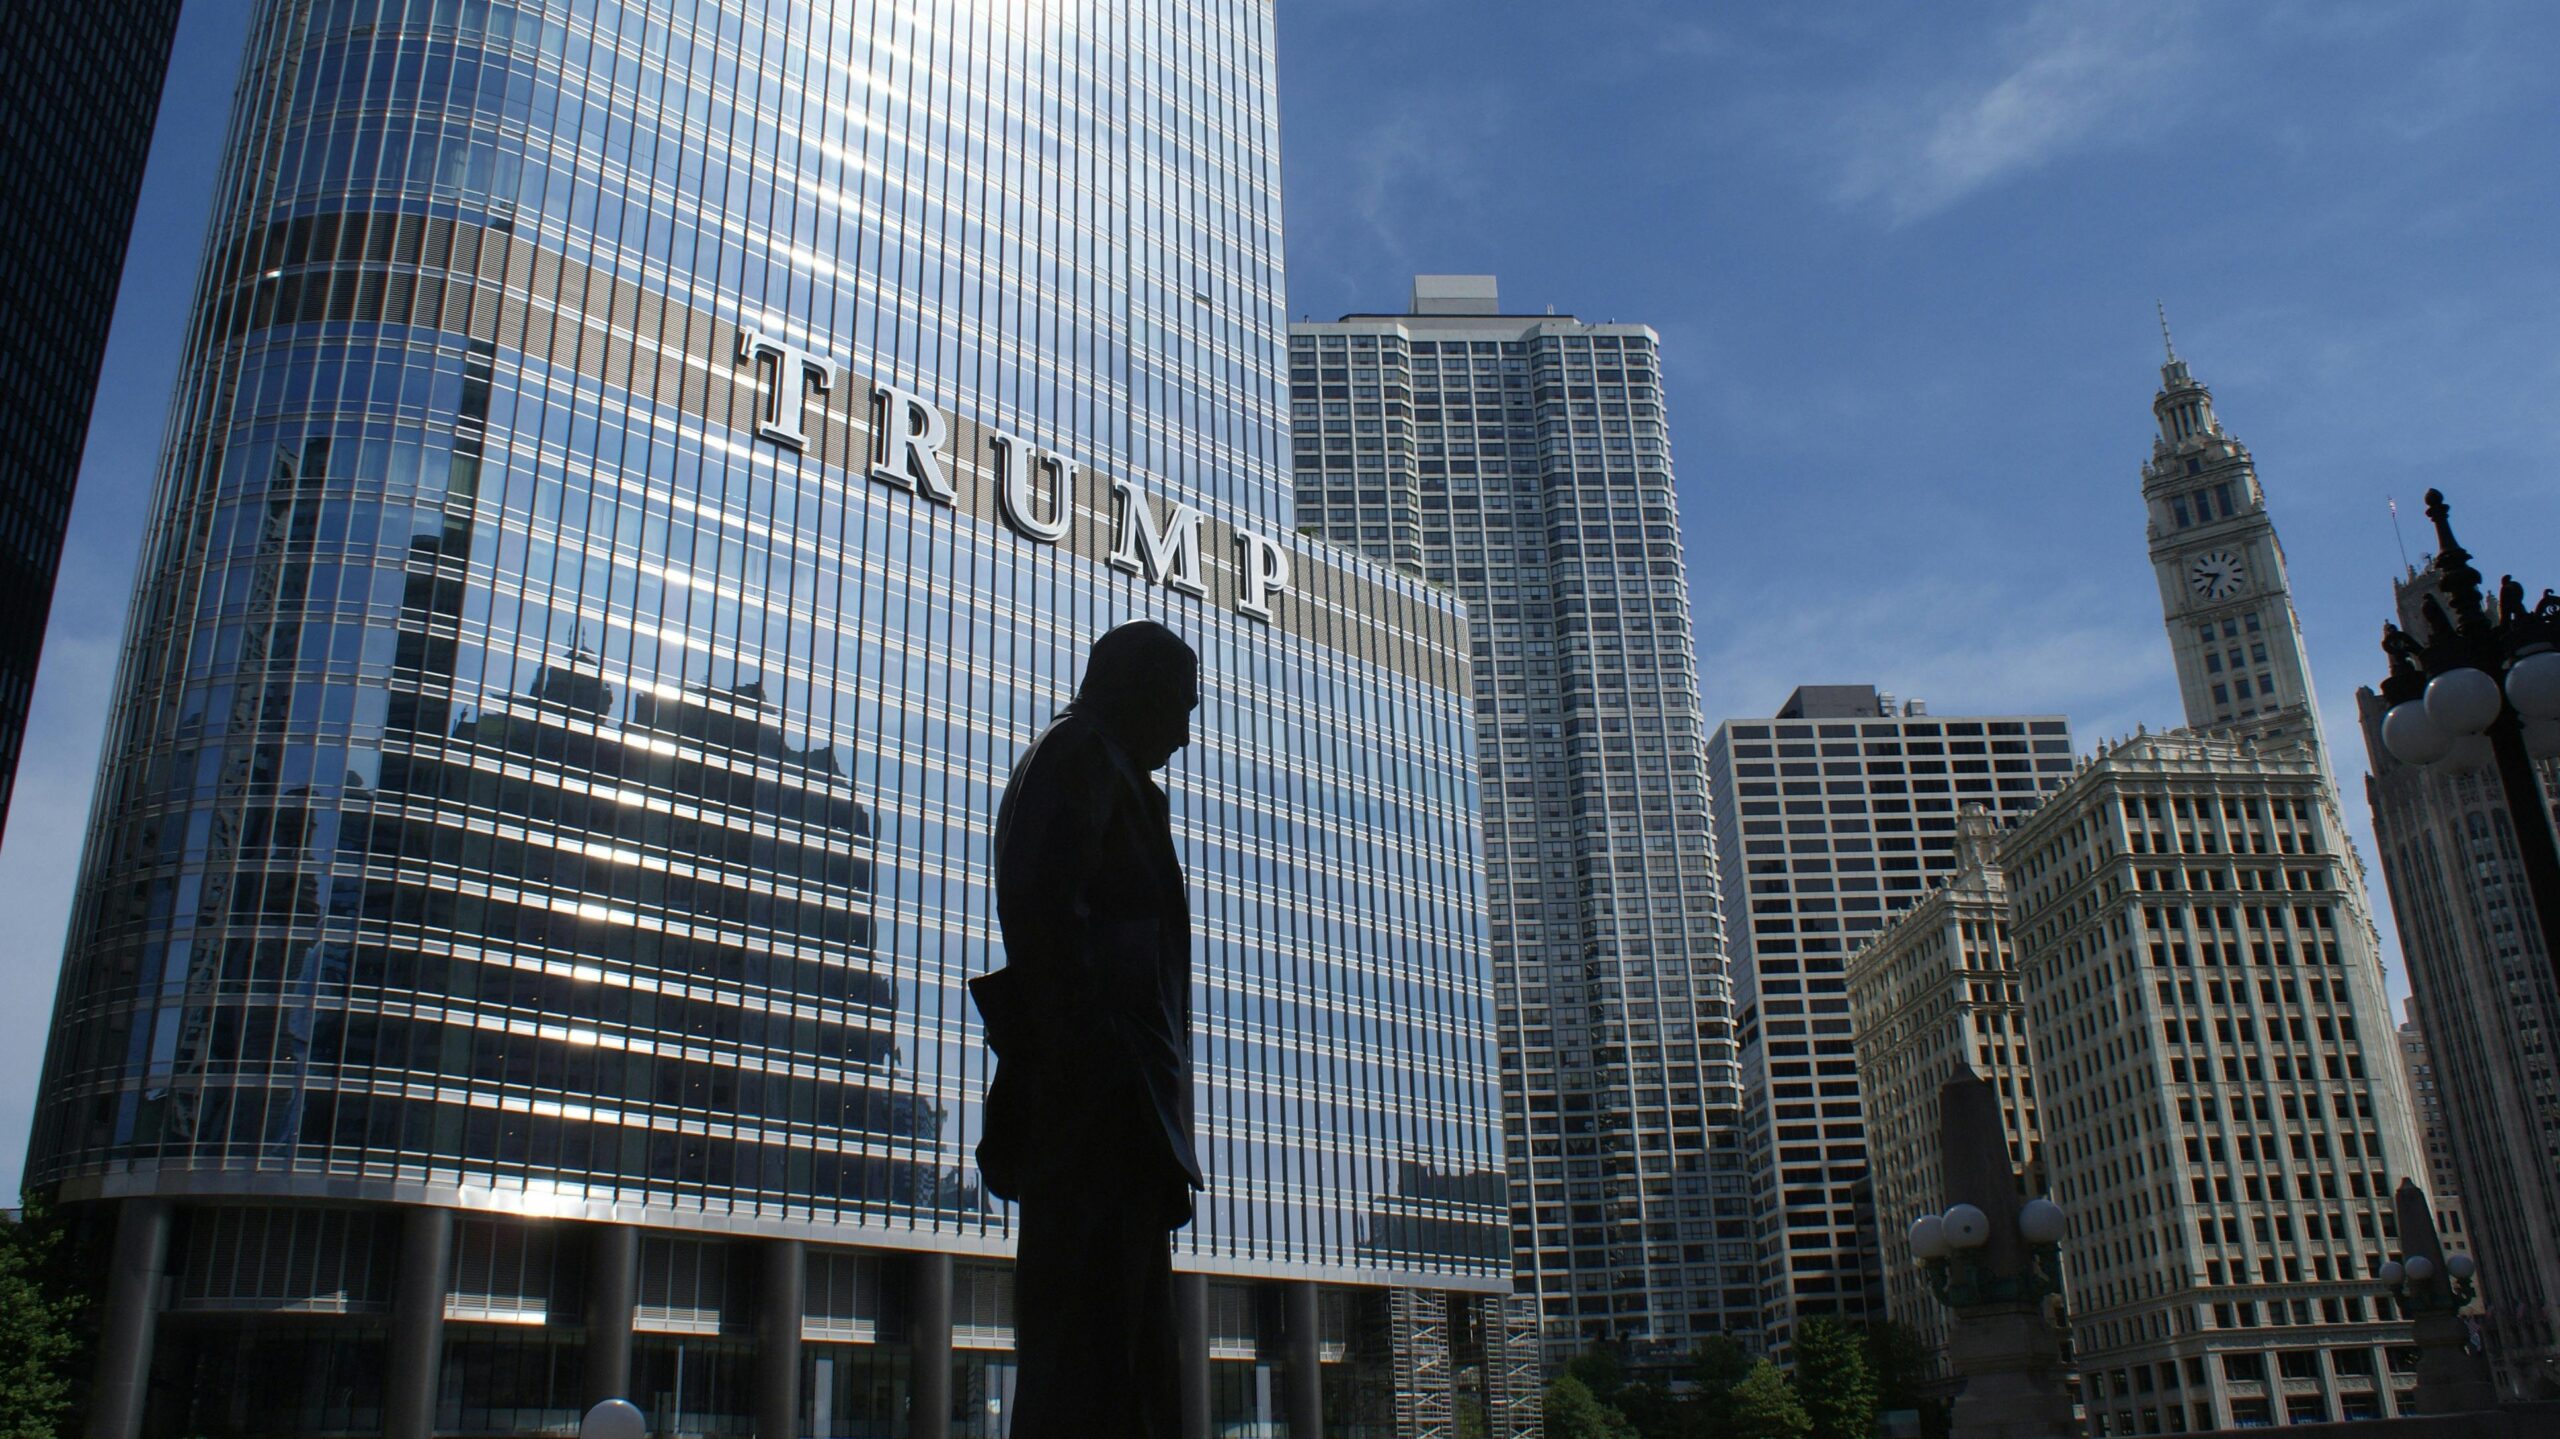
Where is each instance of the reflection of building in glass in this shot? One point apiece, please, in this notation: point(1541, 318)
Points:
point(79, 88)
point(1521, 462)
point(519, 956)
point(1830, 820)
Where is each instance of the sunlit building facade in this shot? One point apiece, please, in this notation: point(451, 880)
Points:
point(1522, 463)
point(2219, 1087)
point(639, 474)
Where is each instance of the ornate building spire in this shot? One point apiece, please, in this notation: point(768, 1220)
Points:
point(2224, 591)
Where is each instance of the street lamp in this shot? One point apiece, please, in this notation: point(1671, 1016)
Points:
point(2495, 676)
point(2431, 1289)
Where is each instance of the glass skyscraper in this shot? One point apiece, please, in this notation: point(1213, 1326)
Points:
point(640, 473)
point(79, 88)
point(1522, 463)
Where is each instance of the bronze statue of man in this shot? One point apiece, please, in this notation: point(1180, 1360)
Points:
point(1088, 1119)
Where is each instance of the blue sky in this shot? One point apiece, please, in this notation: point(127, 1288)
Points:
point(1903, 259)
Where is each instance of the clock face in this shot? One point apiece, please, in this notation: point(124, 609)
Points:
point(2217, 575)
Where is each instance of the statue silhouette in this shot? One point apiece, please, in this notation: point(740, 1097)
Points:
point(1088, 1122)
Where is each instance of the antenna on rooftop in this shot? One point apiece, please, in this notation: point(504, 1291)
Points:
point(2165, 342)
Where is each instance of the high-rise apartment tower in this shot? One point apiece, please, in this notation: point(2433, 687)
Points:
point(1521, 463)
point(639, 475)
point(79, 87)
point(1830, 819)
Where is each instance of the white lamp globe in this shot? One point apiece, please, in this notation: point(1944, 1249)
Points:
point(2464, 701)
point(2469, 752)
point(1968, 1227)
point(2413, 736)
point(2391, 1271)
point(2542, 738)
point(1928, 1237)
point(2533, 686)
point(2421, 1268)
point(2461, 1266)
point(2040, 1221)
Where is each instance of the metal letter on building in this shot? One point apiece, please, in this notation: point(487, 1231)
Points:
point(1263, 572)
point(782, 407)
point(1018, 472)
point(906, 448)
point(1170, 556)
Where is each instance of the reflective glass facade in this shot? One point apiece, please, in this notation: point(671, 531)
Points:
point(537, 784)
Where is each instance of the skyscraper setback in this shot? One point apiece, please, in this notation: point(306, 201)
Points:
point(1522, 463)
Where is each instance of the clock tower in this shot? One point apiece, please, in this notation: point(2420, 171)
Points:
point(2223, 589)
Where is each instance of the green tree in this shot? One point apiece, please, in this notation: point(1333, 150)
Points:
point(1900, 1367)
point(39, 1329)
point(1832, 1381)
point(1600, 1372)
point(1717, 1368)
point(1764, 1406)
point(1574, 1412)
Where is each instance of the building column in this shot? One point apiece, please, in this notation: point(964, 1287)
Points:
point(1303, 1400)
point(1191, 1319)
point(416, 1357)
point(780, 1302)
point(613, 1288)
point(929, 1347)
point(129, 1318)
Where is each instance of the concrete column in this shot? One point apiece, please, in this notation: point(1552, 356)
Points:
point(613, 1288)
point(1191, 1318)
point(129, 1318)
point(929, 1347)
point(1303, 1398)
point(779, 1304)
point(416, 1357)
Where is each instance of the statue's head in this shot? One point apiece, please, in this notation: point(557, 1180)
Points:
point(1141, 684)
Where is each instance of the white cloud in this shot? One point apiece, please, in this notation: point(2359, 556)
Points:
point(2069, 75)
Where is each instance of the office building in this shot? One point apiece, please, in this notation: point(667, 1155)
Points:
point(2482, 994)
point(1831, 819)
point(2426, 1109)
point(79, 88)
point(639, 476)
point(1521, 463)
point(1934, 995)
point(2221, 1106)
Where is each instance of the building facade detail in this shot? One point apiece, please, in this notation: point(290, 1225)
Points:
point(2222, 1108)
point(519, 950)
point(2483, 997)
point(1522, 464)
point(1934, 995)
point(2224, 590)
point(1831, 819)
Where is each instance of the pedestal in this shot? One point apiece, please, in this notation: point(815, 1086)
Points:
point(2010, 1360)
point(2451, 1379)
